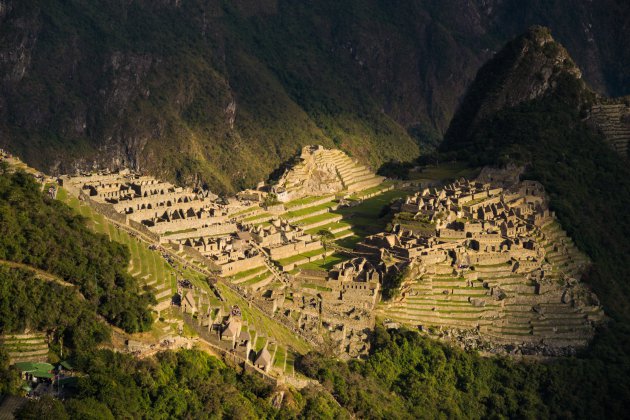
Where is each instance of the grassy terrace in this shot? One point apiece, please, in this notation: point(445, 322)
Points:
point(335, 225)
point(324, 264)
point(373, 190)
point(303, 201)
point(280, 358)
point(246, 273)
point(299, 257)
point(350, 241)
point(257, 216)
point(308, 210)
point(316, 219)
point(256, 279)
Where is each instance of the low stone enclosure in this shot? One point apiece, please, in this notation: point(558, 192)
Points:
point(498, 273)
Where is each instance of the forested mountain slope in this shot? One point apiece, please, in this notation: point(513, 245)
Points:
point(547, 131)
point(222, 92)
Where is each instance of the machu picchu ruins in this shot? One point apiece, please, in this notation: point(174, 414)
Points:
point(483, 262)
point(314, 210)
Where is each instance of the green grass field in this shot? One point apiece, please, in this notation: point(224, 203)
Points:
point(371, 216)
point(324, 264)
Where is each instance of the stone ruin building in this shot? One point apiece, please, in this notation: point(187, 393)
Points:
point(232, 235)
point(339, 302)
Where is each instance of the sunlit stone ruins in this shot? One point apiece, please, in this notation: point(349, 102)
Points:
point(491, 269)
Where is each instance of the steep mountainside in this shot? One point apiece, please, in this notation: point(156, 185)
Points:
point(547, 128)
point(222, 92)
point(550, 132)
point(527, 68)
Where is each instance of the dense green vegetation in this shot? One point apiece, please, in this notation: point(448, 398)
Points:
point(223, 92)
point(46, 234)
point(30, 303)
point(412, 376)
point(185, 384)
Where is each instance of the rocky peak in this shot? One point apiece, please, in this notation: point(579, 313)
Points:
point(527, 68)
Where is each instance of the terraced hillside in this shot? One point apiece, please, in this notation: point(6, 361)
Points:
point(147, 265)
point(325, 171)
point(31, 347)
point(151, 267)
point(613, 120)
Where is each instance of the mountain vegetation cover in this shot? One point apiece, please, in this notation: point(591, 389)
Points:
point(43, 233)
point(222, 92)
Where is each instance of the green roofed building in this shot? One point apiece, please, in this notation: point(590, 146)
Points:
point(65, 365)
point(28, 367)
point(42, 374)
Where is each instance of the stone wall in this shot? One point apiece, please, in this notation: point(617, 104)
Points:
point(183, 224)
point(489, 258)
point(238, 266)
point(155, 202)
point(294, 248)
point(159, 211)
point(213, 230)
point(105, 209)
point(142, 228)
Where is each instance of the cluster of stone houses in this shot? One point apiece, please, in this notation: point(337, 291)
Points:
point(227, 330)
point(340, 302)
point(476, 221)
point(196, 219)
point(490, 245)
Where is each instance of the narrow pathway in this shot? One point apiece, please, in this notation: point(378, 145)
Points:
point(44, 275)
